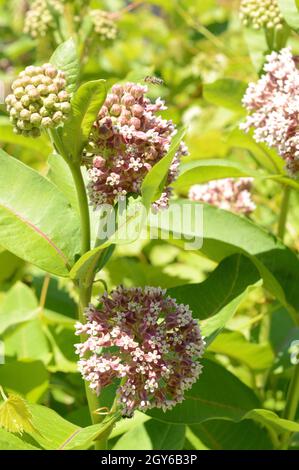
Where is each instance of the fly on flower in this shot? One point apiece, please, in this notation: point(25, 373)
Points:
point(154, 80)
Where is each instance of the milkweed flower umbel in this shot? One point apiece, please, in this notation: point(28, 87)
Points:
point(261, 14)
point(228, 193)
point(126, 141)
point(143, 337)
point(104, 25)
point(39, 99)
point(40, 18)
point(273, 107)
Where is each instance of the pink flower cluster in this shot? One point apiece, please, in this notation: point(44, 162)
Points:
point(143, 337)
point(273, 104)
point(228, 193)
point(126, 141)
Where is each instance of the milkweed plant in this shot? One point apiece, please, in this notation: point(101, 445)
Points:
point(149, 263)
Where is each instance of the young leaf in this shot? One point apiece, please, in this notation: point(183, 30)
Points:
point(36, 222)
point(154, 181)
point(86, 104)
point(15, 415)
point(65, 58)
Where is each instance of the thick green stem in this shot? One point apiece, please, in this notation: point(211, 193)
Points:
point(84, 288)
point(284, 212)
point(292, 404)
point(83, 206)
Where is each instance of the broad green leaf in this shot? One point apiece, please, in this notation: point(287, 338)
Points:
point(28, 378)
point(153, 435)
point(271, 420)
point(56, 433)
point(53, 429)
point(227, 435)
point(154, 181)
point(36, 221)
point(86, 103)
point(225, 233)
point(15, 415)
point(215, 300)
point(60, 174)
point(218, 394)
point(289, 10)
point(227, 93)
point(19, 305)
point(201, 171)
point(233, 344)
point(65, 58)
point(9, 441)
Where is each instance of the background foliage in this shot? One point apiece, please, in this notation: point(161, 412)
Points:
point(242, 284)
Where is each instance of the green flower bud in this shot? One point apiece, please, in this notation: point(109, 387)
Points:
point(25, 100)
point(25, 114)
point(47, 122)
point(42, 89)
point(40, 101)
point(19, 92)
point(57, 117)
point(33, 94)
point(19, 105)
point(261, 14)
point(40, 18)
point(35, 119)
point(65, 107)
point(104, 25)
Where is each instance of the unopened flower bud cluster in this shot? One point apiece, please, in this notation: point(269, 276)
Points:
point(104, 25)
point(39, 99)
point(261, 14)
point(40, 17)
point(228, 193)
point(126, 141)
point(146, 339)
point(273, 107)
